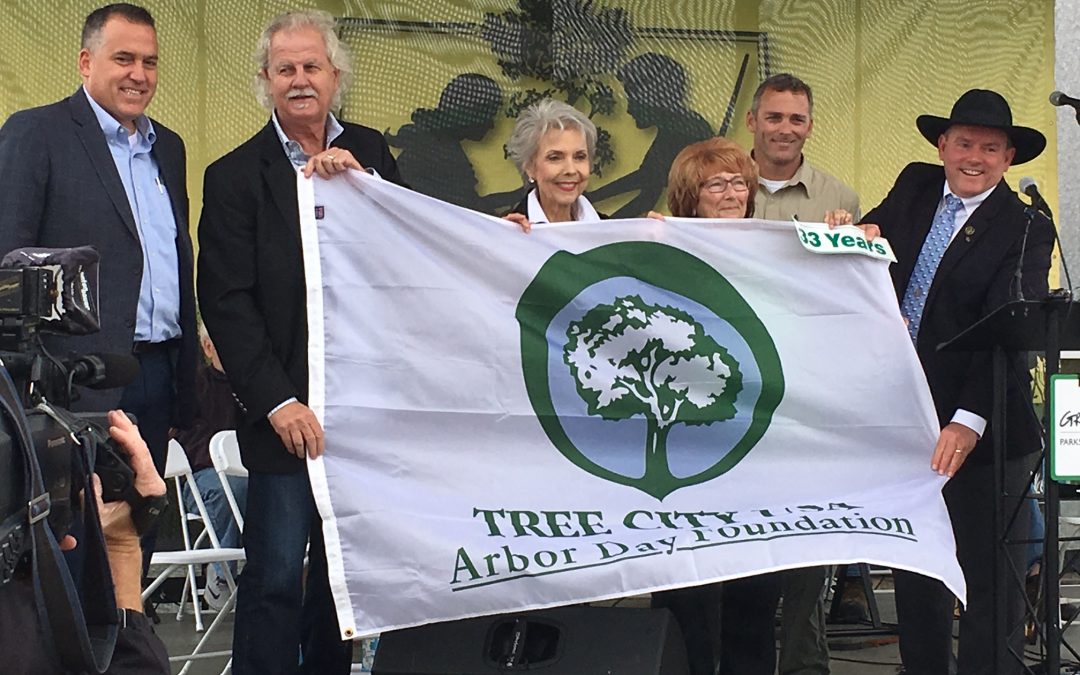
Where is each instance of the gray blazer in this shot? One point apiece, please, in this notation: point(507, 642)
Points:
point(59, 188)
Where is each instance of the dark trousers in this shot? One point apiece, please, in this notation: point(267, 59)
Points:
point(803, 648)
point(151, 398)
point(747, 625)
point(279, 620)
point(697, 610)
point(728, 628)
point(924, 606)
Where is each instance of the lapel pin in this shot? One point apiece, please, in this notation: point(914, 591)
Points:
point(969, 230)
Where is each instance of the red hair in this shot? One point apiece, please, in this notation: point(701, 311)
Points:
point(698, 161)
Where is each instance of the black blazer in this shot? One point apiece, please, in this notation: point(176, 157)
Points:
point(251, 279)
point(974, 278)
point(59, 188)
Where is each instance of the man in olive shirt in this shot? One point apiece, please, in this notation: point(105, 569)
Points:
point(781, 119)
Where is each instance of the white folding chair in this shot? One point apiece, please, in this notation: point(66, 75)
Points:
point(225, 454)
point(177, 468)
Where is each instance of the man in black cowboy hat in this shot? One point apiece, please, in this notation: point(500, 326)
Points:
point(958, 231)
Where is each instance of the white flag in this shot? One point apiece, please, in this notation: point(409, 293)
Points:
point(595, 410)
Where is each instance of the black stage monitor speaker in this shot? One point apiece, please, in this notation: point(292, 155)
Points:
point(564, 641)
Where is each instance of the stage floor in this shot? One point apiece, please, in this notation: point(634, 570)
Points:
point(850, 655)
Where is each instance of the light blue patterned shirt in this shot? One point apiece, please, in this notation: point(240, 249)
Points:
point(293, 150)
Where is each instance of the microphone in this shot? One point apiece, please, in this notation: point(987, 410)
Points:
point(1029, 187)
point(1038, 208)
point(103, 371)
point(1059, 99)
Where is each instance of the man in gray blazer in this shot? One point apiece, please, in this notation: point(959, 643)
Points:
point(93, 169)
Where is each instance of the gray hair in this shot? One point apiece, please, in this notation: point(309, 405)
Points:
point(298, 20)
point(537, 120)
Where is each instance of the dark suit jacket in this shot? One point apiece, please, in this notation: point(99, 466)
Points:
point(974, 278)
point(59, 188)
point(251, 279)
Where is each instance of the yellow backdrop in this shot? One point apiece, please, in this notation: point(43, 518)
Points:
point(874, 66)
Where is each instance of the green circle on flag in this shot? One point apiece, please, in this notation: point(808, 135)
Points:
point(635, 359)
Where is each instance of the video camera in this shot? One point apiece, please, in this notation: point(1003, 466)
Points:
point(54, 290)
point(48, 454)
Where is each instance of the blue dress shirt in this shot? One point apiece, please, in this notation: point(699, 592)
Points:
point(158, 316)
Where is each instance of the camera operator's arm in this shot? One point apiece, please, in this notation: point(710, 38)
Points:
point(121, 540)
point(138, 649)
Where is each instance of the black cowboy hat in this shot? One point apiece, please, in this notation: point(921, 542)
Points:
point(985, 108)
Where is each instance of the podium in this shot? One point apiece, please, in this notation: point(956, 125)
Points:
point(1047, 325)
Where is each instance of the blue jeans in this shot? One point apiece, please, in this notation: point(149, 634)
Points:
point(217, 506)
point(281, 626)
point(1038, 532)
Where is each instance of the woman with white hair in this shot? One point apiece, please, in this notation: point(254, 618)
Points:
point(552, 146)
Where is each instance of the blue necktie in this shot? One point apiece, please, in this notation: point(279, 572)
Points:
point(933, 249)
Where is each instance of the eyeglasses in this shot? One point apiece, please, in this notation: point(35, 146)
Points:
point(720, 185)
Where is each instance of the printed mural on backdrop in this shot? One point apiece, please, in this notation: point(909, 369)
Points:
point(595, 58)
point(572, 53)
point(432, 159)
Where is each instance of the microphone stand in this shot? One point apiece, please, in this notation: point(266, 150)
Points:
point(1050, 568)
point(1018, 275)
point(1055, 317)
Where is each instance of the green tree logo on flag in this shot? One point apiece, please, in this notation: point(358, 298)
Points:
point(631, 358)
point(670, 345)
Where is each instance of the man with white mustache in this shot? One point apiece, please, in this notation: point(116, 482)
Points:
point(961, 237)
point(253, 301)
point(94, 170)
